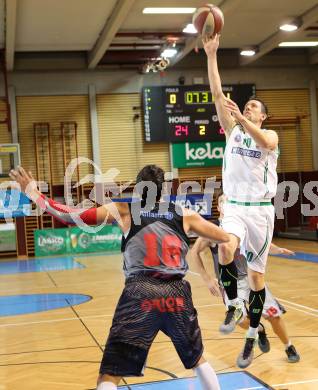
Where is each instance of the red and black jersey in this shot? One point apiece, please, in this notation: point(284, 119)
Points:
point(156, 244)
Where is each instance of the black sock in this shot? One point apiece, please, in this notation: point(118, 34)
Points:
point(256, 304)
point(228, 276)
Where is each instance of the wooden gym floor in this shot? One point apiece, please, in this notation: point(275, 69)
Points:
point(60, 349)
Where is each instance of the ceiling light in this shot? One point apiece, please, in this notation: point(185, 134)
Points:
point(288, 27)
point(168, 10)
point(248, 53)
point(190, 29)
point(299, 44)
point(168, 53)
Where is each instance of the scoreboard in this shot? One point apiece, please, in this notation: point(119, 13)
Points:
point(187, 113)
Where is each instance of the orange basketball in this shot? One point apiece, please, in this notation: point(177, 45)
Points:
point(208, 20)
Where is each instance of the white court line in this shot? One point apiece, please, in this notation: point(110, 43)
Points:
point(58, 320)
point(279, 384)
point(295, 383)
point(303, 311)
point(212, 304)
point(297, 304)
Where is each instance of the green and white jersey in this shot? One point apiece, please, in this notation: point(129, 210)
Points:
point(249, 171)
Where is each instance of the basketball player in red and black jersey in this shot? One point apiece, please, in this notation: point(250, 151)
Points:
point(155, 297)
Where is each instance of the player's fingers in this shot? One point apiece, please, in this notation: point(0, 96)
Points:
point(22, 172)
point(14, 174)
point(31, 176)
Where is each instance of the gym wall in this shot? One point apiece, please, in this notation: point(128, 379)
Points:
point(54, 110)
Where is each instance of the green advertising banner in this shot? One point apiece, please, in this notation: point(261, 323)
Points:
point(198, 154)
point(7, 237)
point(75, 240)
point(107, 239)
point(51, 242)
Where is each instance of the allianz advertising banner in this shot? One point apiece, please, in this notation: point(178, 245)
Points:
point(198, 154)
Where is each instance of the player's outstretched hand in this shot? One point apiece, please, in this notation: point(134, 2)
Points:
point(284, 251)
point(233, 109)
point(25, 180)
point(214, 287)
point(211, 44)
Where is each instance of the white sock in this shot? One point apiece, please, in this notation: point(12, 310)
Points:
point(207, 377)
point(234, 302)
point(288, 345)
point(106, 386)
point(252, 332)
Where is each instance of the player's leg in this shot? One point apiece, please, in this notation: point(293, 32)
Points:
point(107, 382)
point(206, 375)
point(263, 342)
point(183, 329)
point(133, 330)
point(243, 291)
point(279, 328)
point(233, 225)
point(259, 222)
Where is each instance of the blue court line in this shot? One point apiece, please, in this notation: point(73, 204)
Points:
point(33, 303)
point(302, 256)
point(228, 381)
point(39, 265)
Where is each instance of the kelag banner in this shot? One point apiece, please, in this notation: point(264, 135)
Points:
point(74, 240)
point(199, 154)
point(14, 203)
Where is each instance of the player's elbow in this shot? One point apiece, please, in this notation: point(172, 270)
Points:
point(221, 237)
point(225, 237)
point(270, 145)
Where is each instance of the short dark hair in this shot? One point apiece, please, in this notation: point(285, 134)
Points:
point(264, 108)
point(151, 173)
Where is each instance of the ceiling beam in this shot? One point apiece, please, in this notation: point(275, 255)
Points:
point(226, 7)
point(309, 17)
point(109, 31)
point(11, 16)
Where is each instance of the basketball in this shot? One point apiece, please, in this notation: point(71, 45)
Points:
point(208, 20)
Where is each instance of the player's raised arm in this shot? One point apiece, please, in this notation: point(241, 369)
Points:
point(211, 46)
point(266, 139)
point(107, 213)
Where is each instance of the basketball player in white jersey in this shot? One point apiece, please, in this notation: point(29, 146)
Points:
point(273, 311)
point(249, 183)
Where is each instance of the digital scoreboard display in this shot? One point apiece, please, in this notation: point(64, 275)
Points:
point(187, 113)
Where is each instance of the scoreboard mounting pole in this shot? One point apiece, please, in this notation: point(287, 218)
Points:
point(175, 171)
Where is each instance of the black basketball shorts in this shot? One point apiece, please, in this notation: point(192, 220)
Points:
point(146, 306)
